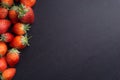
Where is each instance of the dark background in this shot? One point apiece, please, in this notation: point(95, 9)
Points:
point(73, 40)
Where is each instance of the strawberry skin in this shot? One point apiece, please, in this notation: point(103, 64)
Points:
point(3, 13)
point(4, 25)
point(3, 64)
point(20, 28)
point(3, 48)
point(19, 42)
point(26, 14)
point(29, 3)
point(7, 37)
point(8, 74)
point(13, 15)
point(12, 57)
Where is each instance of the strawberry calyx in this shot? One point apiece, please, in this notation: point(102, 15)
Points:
point(1, 78)
point(4, 5)
point(14, 50)
point(1, 56)
point(25, 40)
point(22, 10)
point(3, 37)
point(14, 8)
point(27, 27)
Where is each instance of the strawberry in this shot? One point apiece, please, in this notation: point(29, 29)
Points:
point(8, 74)
point(12, 57)
point(7, 37)
point(25, 14)
point(20, 28)
point(13, 15)
point(19, 42)
point(7, 3)
point(4, 25)
point(29, 3)
point(3, 12)
point(3, 64)
point(3, 48)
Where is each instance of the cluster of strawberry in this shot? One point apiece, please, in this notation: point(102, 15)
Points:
point(16, 16)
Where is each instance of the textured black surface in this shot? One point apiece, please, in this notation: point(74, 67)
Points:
point(73, 40)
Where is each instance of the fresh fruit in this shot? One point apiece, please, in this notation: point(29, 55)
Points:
point(12, 57)
point(7, 3)
point(7, 37)
point(8, 74)
point(29, 3)
point(16, 16)
point(19, 42)
point(3, 48)
point(13, 15)
point(3, 12)
point(25, 14)
point(20, 28)
point(4, 25)
point(3, 64)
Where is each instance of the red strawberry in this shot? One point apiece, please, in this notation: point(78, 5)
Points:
point(7, 37)
point(8, 74)
point(12, 57)
point(19, 42)
point(3, 64)
point(4, 25)
point(20, 28)
point(29, 3)
point(7, 3)
point(3, 12)
point(13, 14)
point(3, 48)
point(26, 14)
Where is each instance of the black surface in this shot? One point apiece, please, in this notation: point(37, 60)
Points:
point(73, 40)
